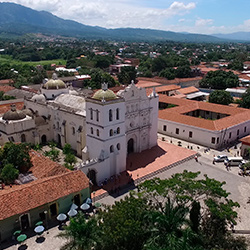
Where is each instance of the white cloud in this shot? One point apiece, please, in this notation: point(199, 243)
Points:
point(110, 13)
point(127, 13)
point(203, 22)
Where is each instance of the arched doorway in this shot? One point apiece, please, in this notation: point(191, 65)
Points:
point(44, 139)
point(23, 138)
point(130, 146)
point(92, 176)
point(59, 142)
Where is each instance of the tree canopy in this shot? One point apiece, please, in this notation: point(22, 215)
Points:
point(245, 101)
point(220, 97)
point(14, 158)
point(219, 80)
point(127, 75)
point(184, 212)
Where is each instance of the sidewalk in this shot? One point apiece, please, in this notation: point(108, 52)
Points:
point(201, 149)
point(144, 165)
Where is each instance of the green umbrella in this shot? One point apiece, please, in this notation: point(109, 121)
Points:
point(21, 237)
point(97, 204)
point(17, 232)
point(39, 223)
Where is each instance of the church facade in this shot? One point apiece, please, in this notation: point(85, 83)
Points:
point(101, 129)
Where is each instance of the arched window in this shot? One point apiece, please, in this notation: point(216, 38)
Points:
point(73, 130)
point(110, 115)
point(118, 146)
point(97, 115)
point(118, 131)
point(117, 114)
point(97, 132)
point(91, 130)
point(111, 149)
point(91, 114)
point(111, 132)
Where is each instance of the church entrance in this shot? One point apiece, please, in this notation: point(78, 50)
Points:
point(92, 176)
point(130, 146)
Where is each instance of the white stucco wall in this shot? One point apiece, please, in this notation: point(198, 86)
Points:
point(204, 136)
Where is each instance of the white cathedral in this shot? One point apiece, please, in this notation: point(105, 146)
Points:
point(102, 129)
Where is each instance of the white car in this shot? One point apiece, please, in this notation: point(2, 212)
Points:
point(220, 158)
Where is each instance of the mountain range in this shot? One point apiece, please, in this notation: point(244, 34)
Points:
point(18, 20)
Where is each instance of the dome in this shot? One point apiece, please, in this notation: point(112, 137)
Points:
point(39, 120)
point(13, 114)
point(54, 84)
point(38, 98)
point(27, 112)
point(104, 94)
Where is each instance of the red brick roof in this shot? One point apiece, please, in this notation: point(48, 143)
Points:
point(176, 114)
point(23, 198)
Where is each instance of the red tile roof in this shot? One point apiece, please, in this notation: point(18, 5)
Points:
point(44, 167)
point(163, 81)
point(22, 198)
point(177, 114)
point(6, 81)
point(6, 88)
point(163, 88)
point(6, 107)
point(245, 140)
point(188, 90)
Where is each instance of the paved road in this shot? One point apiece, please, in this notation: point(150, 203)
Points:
point(238, 186)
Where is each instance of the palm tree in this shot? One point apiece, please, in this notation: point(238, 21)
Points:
point(170, 229)
point(80, 234)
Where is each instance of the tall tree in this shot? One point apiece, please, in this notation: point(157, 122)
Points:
point(220, 97)
point(219, 80)
point(127, 75)
point(80, 234)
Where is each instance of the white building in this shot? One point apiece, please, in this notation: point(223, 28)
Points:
point(102, 129)
point(203, 123)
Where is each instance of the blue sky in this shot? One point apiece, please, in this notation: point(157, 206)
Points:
point(198, 16)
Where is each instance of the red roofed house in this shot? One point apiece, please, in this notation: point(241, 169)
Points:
point(203, 123)
point(48, 190)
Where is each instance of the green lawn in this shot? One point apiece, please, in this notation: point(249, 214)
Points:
point(8, 59)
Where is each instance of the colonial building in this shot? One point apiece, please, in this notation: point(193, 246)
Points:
point(47, 190)
point(203, 123)
point(102, 129)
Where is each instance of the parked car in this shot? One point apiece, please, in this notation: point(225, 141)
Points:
point(220, 158)
point(234, 161)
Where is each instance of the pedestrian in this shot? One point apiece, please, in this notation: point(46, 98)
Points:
point(213, 161)
point(196, 158)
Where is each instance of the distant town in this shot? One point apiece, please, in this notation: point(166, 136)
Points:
point(124, 145)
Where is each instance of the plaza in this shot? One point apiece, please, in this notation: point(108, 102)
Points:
point(179, 159)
